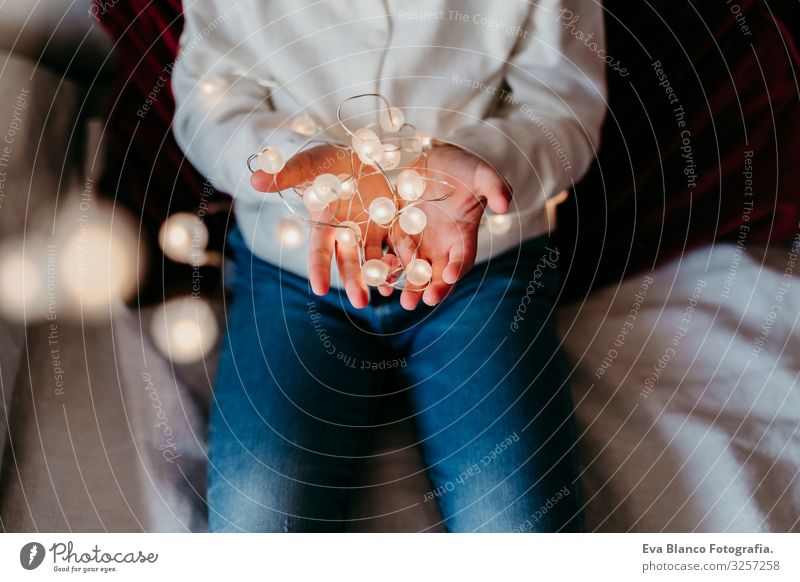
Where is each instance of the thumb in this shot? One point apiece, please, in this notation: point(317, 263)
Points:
point(493, 187)
point(459, 262)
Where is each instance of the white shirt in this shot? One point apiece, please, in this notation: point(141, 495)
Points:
point(520, 84)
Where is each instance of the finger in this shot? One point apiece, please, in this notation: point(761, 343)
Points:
point(320, 253)
point(349, 266)
point(404, 246)
point(302, 167)
point(498, 201)
point(461, 259)
point(394, 265)
point(410, 298)
point(262, 181)
point(491, 186)
point(373, 242)
point(438, 289)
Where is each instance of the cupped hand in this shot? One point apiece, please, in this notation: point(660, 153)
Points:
point(450, 240)
point(301, 170)
point(449, 243)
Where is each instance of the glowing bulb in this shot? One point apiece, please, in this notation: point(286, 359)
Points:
point(185, 329)
point(362, 135)
point(97, 269)
point(347, 187)
point(326, 188)
point(312, 202)
point(391, 157)
point(183, 237)
point(413, 145)
point(374, 272)
point(367, 146)
point(419, 273)
point(498, 223)
point(413, 220)
point(348, 234)
point(290, 232)
point(410, 185)
point(371, 154)
point(271, 160)
point(391, 119)
point(212, 85)
point(382, 210)
point(304, 125)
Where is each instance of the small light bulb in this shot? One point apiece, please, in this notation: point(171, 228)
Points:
point(391, 157)
point(271, 160)
point(348, 186)
point(498, 223)
point(96, 268)
point(312, 203)
point(177, 237)
point(413, 145)
point(367, 146)
point(185, 329)
point(290, 232)
point(419, 273)
point(382, 210)
point(348, 234)
point(374, 272)
point(326, 188)
point(304, 124)
point(362, 135)
point(391, 119)
point(212, 85)
point(413, 220)
point(183, 237)
point(371, 154)
point(410, 185)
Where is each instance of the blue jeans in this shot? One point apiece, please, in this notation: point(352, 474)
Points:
point(301, 376)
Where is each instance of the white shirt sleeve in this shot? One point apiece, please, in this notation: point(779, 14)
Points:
point(223, 117)
point(545, 133)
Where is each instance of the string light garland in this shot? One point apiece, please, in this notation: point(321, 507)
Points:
point(389, 148)
point(93, 267)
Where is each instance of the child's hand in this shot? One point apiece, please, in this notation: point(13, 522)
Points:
point(303, 168)
point(451, 238)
